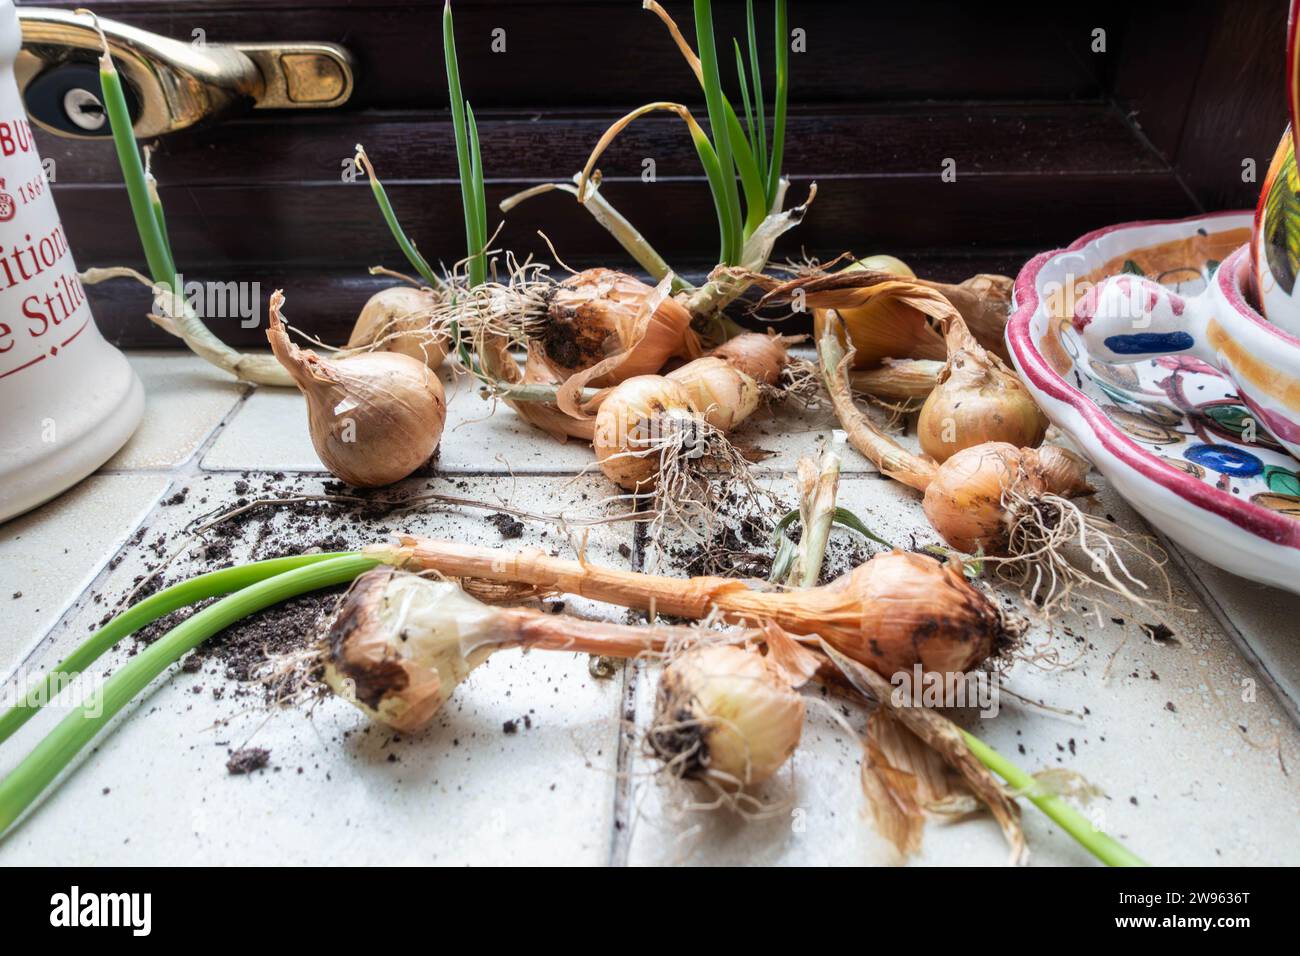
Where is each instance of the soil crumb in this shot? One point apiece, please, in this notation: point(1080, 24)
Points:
point(247, 760)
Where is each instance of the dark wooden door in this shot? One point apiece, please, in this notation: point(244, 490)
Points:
point(1050, 136)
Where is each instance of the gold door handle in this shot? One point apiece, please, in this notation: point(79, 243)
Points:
point(170, 84)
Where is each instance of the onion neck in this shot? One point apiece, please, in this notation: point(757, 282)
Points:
point(882, 451)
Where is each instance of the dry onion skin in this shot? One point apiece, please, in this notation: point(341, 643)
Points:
point(374, 417)
point(762, 357)
point(877, 306)
point(725, 715)
point(400, 319)
point(894, 612)
point(608, 319)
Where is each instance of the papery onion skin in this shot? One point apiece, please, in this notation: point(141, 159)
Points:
point(725, 714)
point(397, 320)
point(632, 418)
point(761, 357)
point(374, 417)
point(593, 315)
point(397, 681)
point(723, 394)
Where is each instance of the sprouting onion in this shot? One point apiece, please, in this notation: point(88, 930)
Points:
point(729, 150)
point(150, 224)
point(26, 781)
point(145, 612)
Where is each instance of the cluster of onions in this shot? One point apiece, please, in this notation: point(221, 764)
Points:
point(651, 427)
point(401, 643)
point(975, 397)
point(400, 319)
point(893, 612)
point(1001, 500)
point(374, 417)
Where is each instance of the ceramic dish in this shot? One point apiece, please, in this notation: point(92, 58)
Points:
point(1170, 433)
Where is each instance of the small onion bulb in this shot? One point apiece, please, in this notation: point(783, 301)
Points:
point(719, 391)
point(725, 714)
point(398, 319)
point(977, 399)
point(635, 420)
point(967, 498)
point(374, 417)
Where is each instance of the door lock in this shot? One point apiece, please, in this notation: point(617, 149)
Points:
point(169, 84)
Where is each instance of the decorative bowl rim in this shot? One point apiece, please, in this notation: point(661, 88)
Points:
point(1230, 285)
point(1269, 525)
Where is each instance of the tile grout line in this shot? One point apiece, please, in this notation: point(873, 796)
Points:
point(621, 839)
point(1288, 703)
point(187, 468)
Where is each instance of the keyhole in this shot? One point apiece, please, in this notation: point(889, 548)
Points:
point(84, 109)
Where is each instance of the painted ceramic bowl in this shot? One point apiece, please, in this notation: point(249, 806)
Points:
point(1130, 318)
point(1171, 432)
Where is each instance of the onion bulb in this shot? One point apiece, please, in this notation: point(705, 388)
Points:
point(609, 319)
point(976, 399)
point(400, 643)
point(762, 357)
point(894, 612)
point(726, 715)
point(374, 417)
point(718, 390)
point(400, 319)
point(654, 426)
point(969, 499)
point(636, 423)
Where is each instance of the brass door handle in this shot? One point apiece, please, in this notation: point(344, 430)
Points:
point(169, 84)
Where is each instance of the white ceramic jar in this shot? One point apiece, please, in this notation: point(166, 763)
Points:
point(68, 399)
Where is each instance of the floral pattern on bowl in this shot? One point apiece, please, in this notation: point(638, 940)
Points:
point(1170, 433)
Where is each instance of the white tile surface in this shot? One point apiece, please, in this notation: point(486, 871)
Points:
point(1200, 753)
point(49, 556)
point(1161, 724)
point(185, 399)
point(1266, 619)
point(465, 791)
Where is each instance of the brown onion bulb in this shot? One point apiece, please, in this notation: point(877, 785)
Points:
point(723, 394)
point(966, 499)
point(374, 417)
point(631, 424)
point(978, 399)
point(397, 319)
point(761, 357)
point(725, 714)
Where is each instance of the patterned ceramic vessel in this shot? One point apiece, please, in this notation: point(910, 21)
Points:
point(1275, 244)
point(1172, 433)
point(1130, 318)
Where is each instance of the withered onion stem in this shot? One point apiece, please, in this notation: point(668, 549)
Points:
point(894, 611)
